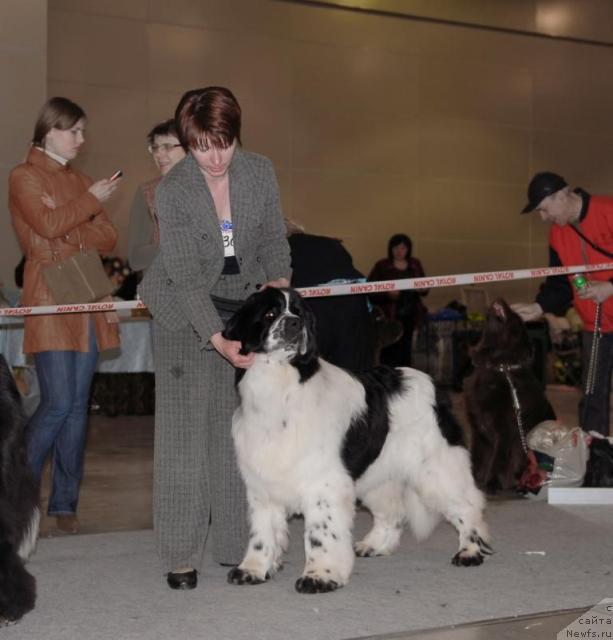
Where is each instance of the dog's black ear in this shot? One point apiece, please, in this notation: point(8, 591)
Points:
point(246, 325)
point(232, 329)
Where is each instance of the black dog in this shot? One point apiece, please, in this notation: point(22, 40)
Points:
point(19, 512)
point(504, 400)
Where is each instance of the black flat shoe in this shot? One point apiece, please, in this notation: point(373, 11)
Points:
point(187, 580)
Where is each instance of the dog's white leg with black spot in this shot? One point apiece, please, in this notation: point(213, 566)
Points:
point(267, 543)
point(328, 519)
point(388, 510)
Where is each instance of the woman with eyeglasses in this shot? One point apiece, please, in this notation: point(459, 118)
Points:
point(144, 231)
point(221, 234)
point(57, 210)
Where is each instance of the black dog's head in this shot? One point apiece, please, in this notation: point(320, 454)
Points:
point(276, 321)
point(505, 339)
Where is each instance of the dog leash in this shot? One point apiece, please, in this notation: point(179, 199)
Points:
point(506, 370)
point(590, 379)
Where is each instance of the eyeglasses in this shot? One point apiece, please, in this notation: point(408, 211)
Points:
point(166, 148)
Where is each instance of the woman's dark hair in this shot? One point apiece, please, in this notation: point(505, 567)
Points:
point(395, 240)
point(57, 113)
point(209, 116)
point(166, 128)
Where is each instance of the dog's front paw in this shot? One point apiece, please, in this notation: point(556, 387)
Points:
point(308, 584)
point(236, 575)
point(7, 622)
point(363, 550)
point(466, 558)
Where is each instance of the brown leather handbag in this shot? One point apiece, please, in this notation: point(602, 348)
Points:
point(80, 278)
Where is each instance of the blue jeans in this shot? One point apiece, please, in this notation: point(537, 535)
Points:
point(60, 421)
point(594, 409)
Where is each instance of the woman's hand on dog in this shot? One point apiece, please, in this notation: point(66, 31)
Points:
point(596, 290)
point(528, 311)
point(230, 350)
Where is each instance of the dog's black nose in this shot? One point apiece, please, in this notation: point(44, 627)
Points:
point(291, 327)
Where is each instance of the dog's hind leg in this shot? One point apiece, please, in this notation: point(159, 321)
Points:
point(17, 586)
point(267, 543)
point(328, 519)
point(28, 543)
point(446, 485)
point(385, 502)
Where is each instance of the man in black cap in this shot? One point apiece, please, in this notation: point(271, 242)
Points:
point(581, 233)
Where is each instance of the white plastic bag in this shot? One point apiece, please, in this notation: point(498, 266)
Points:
point(568, 446)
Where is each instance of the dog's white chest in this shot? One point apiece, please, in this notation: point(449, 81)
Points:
point(282, 430)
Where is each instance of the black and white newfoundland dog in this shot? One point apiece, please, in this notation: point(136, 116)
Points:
point(312, 438)
point(19, 512)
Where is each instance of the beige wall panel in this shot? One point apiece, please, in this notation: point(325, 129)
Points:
point(243, 16)
point(364, 210)
point(115, 124)
point(351, 204)
point(21, 101)
point(474, 212)
point(267, 128)
point(581, 19)
point(451, 42)
point(511, 14)
point(98, 50)
point(258, 72)
point(161, 105)
point(539, 251)
point(583, 159)
point(539, 232)
point(347, 28)
point(23, 26)
point(355, 79)
point(572, 88)
point(184, 59)
point(135, 9)
point(23, 77)
point(444, 257)
point(473, 91)
point(455, 149)
point(353, 141)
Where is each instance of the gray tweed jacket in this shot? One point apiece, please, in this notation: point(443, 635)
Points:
point(177, 286)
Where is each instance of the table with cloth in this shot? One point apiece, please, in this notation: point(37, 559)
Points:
point(123, 382)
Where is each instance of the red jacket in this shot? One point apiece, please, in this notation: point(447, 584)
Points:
point(597, 225)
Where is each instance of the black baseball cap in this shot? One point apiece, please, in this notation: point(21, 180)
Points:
point(542, 185)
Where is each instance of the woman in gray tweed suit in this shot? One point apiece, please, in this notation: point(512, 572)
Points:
point(221, 234)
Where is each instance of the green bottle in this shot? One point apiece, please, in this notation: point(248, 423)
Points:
point(579, 281)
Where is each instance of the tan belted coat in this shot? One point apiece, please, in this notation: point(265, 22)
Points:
point(43, 231)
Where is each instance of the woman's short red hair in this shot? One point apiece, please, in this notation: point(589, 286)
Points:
point(208, 117)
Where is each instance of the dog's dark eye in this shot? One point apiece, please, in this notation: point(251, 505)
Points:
point(271, 315)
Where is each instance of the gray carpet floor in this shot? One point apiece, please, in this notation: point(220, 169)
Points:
point(104, 586)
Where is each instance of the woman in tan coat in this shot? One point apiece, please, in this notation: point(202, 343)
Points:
point(55, 210)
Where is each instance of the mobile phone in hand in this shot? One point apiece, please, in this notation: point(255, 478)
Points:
point(116, 175)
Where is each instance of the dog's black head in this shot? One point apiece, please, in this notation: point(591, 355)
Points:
point(505, 339)
point(277, 321)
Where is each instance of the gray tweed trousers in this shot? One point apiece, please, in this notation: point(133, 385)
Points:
point(198, 494)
